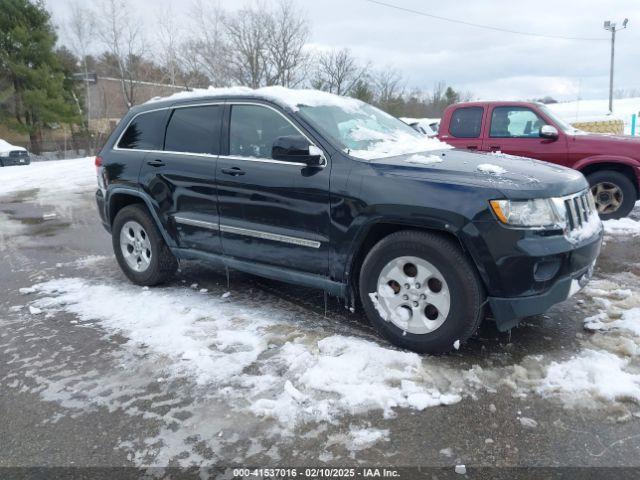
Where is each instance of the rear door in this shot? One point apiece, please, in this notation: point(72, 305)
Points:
point(181, 176)
point(271, 211)
point(465, 128)
point(515, 130)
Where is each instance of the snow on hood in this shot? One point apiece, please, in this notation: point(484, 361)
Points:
point(6, 147)
point(285, 97)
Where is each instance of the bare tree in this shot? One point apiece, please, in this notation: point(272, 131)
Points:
point(338, 71)
point(206, 50)
point(247, 33)
point(287, 33)
point(168, 41)
point(80, 27)
point(122, 37)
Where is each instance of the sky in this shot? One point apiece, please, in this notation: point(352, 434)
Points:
point(487, 63)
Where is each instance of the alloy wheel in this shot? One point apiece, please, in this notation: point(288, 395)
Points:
point(607, 196)
point(135, 246)
point(413, 295)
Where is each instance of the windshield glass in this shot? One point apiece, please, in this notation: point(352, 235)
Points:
point(562, 124)
point(365, 132)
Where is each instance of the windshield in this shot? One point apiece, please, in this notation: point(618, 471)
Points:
point(365, 132)
point(562, 124)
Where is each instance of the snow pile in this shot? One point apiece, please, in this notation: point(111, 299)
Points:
point(231, 348)
point(424, 159)
point(622, 226)
point(591, 374)
point(587, 110)
point(55, 181)
point(491, 169)
point(285, 97)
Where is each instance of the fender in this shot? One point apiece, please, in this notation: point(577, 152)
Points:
point(171, 243)
point(366, 225)
point(595, 159)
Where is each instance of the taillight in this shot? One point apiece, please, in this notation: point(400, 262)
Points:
point(98, 162)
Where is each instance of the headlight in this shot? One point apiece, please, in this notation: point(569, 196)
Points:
point(538, 212)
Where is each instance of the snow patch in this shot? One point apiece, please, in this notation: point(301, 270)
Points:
point(622, 226)
point(491, 169)
point(424, 159)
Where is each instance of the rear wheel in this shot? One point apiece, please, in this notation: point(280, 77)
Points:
point(140, 250)
point(420, 292)
point(613, 193)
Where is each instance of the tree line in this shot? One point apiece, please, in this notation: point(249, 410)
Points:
point(257, 45)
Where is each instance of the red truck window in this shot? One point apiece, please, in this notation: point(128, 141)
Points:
point(466, 122)
point(515, 122)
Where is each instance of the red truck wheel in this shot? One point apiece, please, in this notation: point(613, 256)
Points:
point(613, 192)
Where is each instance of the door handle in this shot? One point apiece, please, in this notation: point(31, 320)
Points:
point(156, 163)
point(234, 171)
point(472, 147)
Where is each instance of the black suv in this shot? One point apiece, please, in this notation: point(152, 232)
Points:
point(329, 192)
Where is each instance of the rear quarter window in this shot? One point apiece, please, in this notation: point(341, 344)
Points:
point(145, 132)
point(466, 122)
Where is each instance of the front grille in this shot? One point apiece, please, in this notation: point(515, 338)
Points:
point(579, 209)
point(18, 154)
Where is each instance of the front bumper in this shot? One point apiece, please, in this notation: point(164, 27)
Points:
point(13, 161)
point(508, 312)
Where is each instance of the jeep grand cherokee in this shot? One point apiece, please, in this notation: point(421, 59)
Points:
point(329, 192)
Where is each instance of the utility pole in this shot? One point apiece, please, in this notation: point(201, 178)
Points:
point(611, 26)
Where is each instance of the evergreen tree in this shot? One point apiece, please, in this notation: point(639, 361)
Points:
point(33, 92)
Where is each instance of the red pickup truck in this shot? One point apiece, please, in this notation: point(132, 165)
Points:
point(529, 129)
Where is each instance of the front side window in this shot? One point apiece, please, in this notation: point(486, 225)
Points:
point(194, 130)
point(145, 132)
point(466, 122)
point(253, 130)
point(515, 122)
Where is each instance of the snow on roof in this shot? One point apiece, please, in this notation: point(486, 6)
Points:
point(6, 147)
point(285, 97)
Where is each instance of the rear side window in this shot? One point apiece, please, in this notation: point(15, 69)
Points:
point(466, 122)
point(253, 130)
point(145, 132)
point(194, 130)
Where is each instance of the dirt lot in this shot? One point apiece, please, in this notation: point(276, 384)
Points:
point(99, 372)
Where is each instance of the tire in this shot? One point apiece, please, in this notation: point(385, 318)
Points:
point(615, 186)
point(466, 293)
point(157, 267)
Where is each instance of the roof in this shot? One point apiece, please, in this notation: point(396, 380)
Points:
point(6, 147)
point(285, 97)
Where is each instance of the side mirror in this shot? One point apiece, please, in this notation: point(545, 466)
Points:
point(296, 148)
point(549, 131)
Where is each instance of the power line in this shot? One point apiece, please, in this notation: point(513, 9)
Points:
point(486, 27)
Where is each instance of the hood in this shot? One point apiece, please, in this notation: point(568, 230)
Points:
point(6, 147)
point(515, 177)
point(623, 144)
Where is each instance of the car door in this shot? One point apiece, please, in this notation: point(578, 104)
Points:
point(465, 128)
point(271, 211)
point(516, 130)
point(181, 176)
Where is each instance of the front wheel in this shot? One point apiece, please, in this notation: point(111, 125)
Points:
point(140, 250)
point(420, 292)
point(613, 193)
